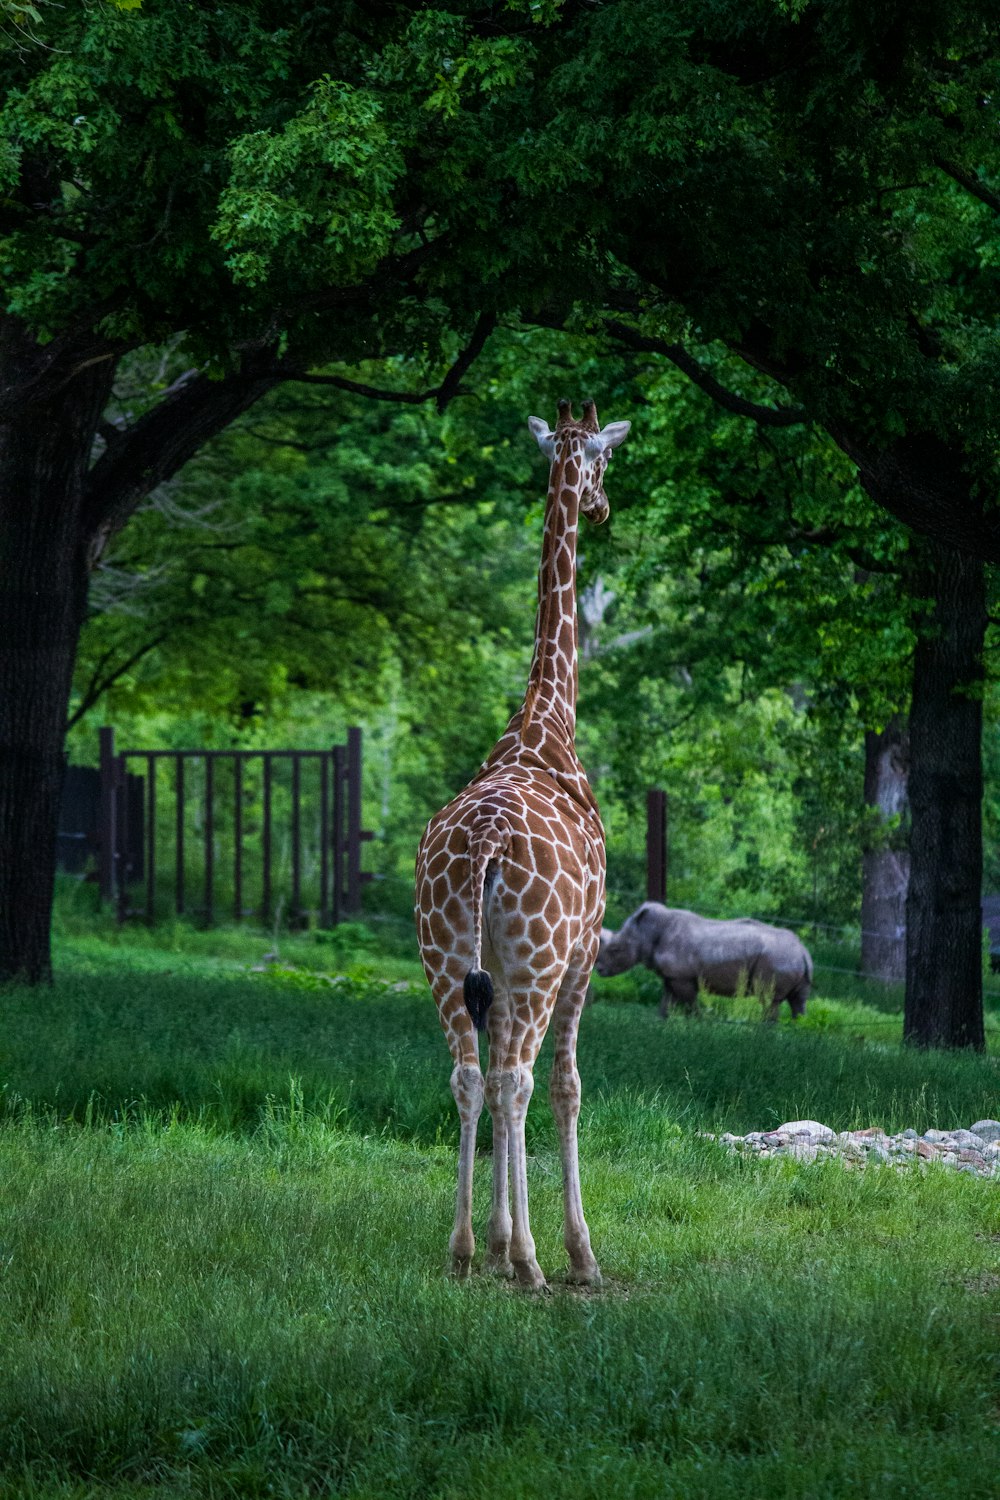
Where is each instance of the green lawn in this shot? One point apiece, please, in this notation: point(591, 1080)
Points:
point(226, 1203)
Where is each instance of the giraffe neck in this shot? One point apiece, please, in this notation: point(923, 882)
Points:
point(552, 681)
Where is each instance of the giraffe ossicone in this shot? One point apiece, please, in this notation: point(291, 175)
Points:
point(510, 891)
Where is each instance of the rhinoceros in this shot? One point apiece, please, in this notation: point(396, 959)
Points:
point(721, 956)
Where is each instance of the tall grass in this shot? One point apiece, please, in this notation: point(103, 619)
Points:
point(226, 1202)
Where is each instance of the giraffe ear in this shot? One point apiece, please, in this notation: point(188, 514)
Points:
point(609, 437)
point(543, 437)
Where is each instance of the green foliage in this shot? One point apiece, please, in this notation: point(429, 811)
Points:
point(337, 222)
point(801, 193)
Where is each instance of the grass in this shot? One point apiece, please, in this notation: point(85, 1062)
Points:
point(227, 1197)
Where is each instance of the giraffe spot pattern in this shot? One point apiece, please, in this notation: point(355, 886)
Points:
point(534, 921)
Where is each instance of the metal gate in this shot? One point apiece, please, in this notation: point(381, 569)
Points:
point(281, 828)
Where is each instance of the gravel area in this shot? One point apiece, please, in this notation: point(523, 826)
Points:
point(975, 1151)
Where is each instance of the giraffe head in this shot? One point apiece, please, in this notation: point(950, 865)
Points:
point(583, 448)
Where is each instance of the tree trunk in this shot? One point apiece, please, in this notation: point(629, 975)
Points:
point(44, 455)
point(944, 999)
point(886, 861)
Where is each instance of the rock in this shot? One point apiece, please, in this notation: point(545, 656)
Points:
point(811, 1128)
point(987, 1130)
point(856, 1149)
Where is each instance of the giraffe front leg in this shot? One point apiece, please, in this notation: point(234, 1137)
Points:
point(564, 1094)
point(467, 1087)
point(516, 1087)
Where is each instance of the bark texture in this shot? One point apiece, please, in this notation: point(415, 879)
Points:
point(44, 453)
point(885, 861)
point(944, 1001)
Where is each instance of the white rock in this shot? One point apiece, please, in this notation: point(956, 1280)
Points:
point(966, 1138)
point(937, 1135)
point(987, 1130)
point(811, 1128)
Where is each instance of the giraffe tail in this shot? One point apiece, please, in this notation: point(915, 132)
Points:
point(486, 841)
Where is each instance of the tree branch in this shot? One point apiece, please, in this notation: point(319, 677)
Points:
point(443, 394)
point(354, 387)
point(970, 182)
point(99, 685)
point(767, 416)
point(450, 386)
point(135, 461)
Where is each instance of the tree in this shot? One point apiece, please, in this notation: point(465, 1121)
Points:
point(805, 185)
point(828, 215)
point(744, 566)
point(176, 173)
point(812, 186)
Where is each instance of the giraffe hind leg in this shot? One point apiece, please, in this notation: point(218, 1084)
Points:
point(564, 1094)
point(468, 1091)
point(467, 1088)
point(500, 1225)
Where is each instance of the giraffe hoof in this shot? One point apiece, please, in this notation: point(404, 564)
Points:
point(461, 1267)
point(589, 1275)
point(529, 1276)
point(499, 1265)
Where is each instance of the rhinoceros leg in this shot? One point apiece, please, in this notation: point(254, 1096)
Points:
point(797, 998)
point(682, 992)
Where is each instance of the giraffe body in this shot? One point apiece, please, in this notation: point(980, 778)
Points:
point(510, 893)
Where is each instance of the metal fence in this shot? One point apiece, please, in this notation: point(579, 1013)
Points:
point(249, 832)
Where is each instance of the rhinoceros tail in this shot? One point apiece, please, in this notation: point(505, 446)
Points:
point(487, 839)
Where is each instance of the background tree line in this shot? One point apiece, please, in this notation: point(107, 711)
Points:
point(791, 206)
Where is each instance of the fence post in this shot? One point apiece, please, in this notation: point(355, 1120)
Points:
point(108, 809)
point(656, 845)
point(352, 894)
point(122, 829)
point(324, 840)
point(337, 836)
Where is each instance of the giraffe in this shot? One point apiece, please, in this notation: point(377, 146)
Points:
point(510, 893)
